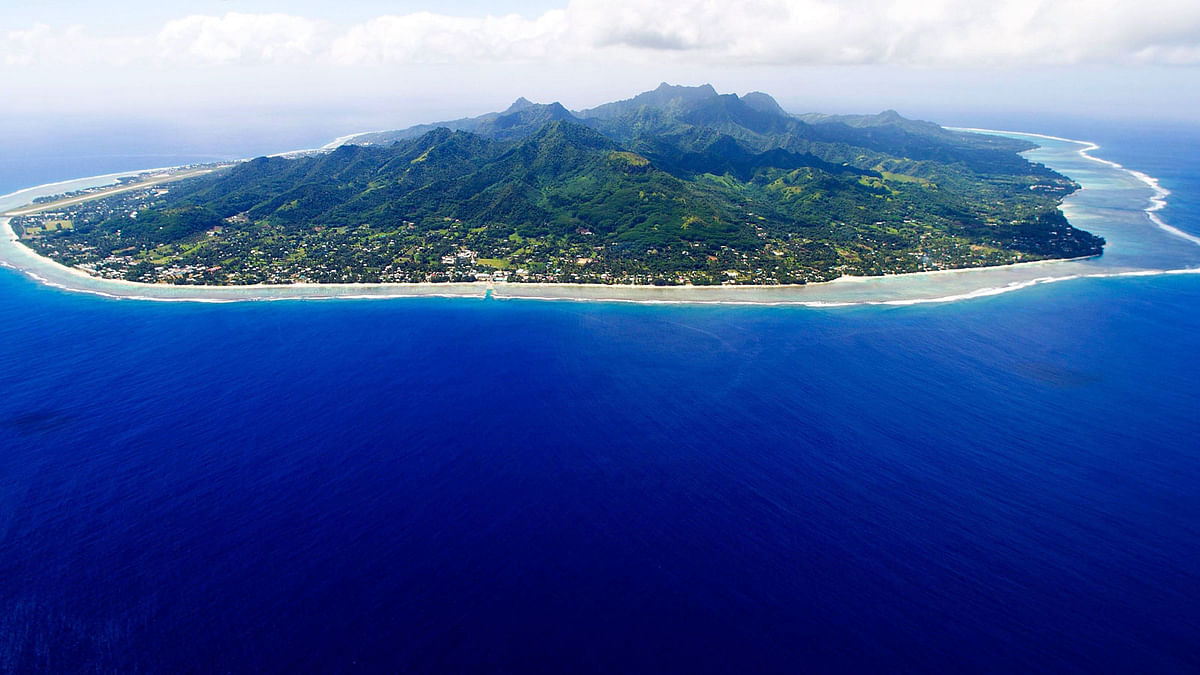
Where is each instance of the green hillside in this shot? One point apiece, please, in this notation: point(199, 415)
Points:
point(677, 185)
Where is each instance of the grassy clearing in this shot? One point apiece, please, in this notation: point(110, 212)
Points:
point(904, 178)
point(629, 158)
point(49, 226)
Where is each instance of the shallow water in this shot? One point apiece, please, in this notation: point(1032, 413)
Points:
point(1116, 203)
point(1005, 484)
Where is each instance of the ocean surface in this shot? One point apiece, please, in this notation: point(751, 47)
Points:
point(1005, 483)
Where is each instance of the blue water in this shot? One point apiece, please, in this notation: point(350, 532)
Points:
point(1003, 484)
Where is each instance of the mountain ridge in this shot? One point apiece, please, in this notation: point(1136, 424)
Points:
point(678, 185)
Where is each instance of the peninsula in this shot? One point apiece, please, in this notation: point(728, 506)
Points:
point(676, 186)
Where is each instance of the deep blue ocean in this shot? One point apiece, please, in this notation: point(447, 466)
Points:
point(1005, 484)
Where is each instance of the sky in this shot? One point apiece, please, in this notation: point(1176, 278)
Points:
point(379, 64)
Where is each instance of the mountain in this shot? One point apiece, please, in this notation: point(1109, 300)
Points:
point(675, 185)
point(671, 118)
point(763, 103)
point(666, 96)
point(521, 119)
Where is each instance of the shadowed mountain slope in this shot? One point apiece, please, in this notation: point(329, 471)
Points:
point(675, 185)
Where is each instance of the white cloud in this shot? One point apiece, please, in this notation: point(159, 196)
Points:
point(23, 47)
point(780, 32)
point(41, 43)
point(913, 32)
point(425, 37)
point(242, 39)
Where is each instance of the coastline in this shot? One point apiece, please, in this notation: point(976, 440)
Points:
point(1157, 202)
point(934, 286)
point(628, 293)
point(400, 290)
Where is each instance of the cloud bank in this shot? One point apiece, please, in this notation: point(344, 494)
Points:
point(933, 33)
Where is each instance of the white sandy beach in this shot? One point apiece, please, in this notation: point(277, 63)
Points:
point(1140, 244)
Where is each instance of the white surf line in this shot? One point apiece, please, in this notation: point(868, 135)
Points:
point(107, 192)
point(112, 177)
point(987, 291)
point(826, 304)
point(342, 140)
point(1158, 200)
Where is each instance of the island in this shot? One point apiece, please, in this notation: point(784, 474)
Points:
point(675, 186)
